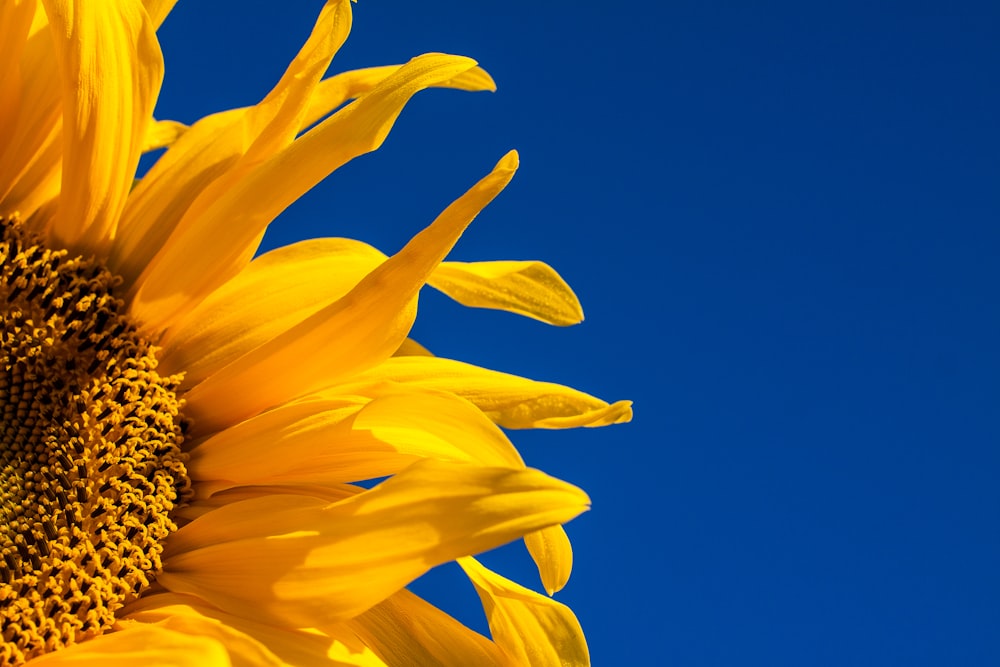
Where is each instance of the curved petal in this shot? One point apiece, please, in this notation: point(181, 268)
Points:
point(354, 333)
point(158, 10)
point(272, 294)
point(139, 644)
point(407, 630)
point(111, 69)
point(322, 442)
point(31, 134)
point(511, 401)
point(532, 289)
point(536, 630)
point(552, 552)
point(195, 262)
point(161, 133)
point(221, 149)
point(314, 564)
point(249, 644)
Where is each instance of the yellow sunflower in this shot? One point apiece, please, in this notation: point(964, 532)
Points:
point(184, 424)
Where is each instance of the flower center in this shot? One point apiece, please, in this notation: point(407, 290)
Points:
point(89, 447)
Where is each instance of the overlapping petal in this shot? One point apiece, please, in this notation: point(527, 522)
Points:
point(511, 401)
point(314, 563)
point(354, 333)
point(140, 645)
point(334, 441)
point(110, 70)
point(534, 629)
point(194, 263)
point(406, 630)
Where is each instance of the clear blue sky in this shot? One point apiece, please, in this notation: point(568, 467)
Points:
point(781, 219)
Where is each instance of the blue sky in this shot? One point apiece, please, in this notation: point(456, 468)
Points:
point(781, 219)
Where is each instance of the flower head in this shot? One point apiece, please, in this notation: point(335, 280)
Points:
point(184, 424)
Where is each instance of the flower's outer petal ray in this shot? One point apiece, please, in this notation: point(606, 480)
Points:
point(220, 234)
point(274, 122)
point(511, 401)
point(315, 564)
point(406, 631)
point(533, 289)
point(354, 333)
point(249, 644)
point(331, 493)
point(303, 443)
point(162, 133)
point(336, 90)
point(536, 630)
point(15, 22)
point(31, 133)
point(224, 147)
point(552, 552)
point(111, 69)
point(272, 294)
point(158, 10)
point(208, 151)
point(139, 644)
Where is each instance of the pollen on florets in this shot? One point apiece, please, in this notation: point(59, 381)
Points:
point(90, 461)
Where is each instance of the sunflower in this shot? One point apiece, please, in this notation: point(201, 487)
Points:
point(186, 424)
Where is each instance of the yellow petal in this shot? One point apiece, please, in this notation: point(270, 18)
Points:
point(15, 22)
point(552, 552)
point(536, 630)
point(31, 134)
point(221, 232)
point(509, 400)
point(211, 148)
point(336, 90)
point(249, 644)
point(406, 630)
point(111, 69)
point(272, 294)
point(321, 442)
point(533, 289)
point(274, 122)
point(356, 332)
point(162, 133)
point(222, 148)
point(158, 10)
point(139, 644)
point(298, 562)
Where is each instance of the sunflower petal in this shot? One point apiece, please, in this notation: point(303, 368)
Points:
point(158, 10)
point(406, 630)
point(223, 147)
point(213, 144)
point(336, 90)
point(533, 289)
point(162, 133)
point(249, 644)
point(273, 293)
point(552, 552)
point(111, 69)
point(314, 564)
point(511, 401)
point(356, 332)
point(323, 442)
point(31, 136)
point(195, 263)
point(138, 644)
point(534, 629)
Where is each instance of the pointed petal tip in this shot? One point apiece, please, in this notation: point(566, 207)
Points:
point(508, 164)
point(622, 412)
